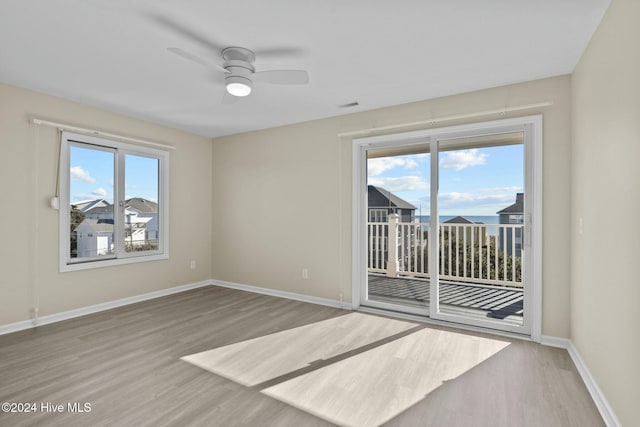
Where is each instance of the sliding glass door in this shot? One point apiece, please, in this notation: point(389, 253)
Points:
point(481, 207)
point(447, 225)
point(397, 228)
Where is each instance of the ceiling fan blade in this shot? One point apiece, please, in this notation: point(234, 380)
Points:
point(191, 57)
point(187, 55)
point(282, 77)
point(278, 51)
point(183, 30)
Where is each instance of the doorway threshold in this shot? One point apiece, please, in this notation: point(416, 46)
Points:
point(441, 323)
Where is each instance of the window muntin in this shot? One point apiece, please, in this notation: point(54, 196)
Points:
point(113, 202)
point(378, 215)
point(516, 219)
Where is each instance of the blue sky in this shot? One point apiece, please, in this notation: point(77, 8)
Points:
point(472, 182)
point(92, 175)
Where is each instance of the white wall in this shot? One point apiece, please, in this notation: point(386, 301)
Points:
point(283, 196)
point(605, 280)
point(29, 228)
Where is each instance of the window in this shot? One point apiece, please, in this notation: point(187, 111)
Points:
point(113, 203)
point(378, 215)
point(516, 219)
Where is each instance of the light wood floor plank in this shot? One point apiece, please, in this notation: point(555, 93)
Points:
point(276, 362)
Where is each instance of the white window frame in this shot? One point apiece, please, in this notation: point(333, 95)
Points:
point(378, 214)
point(516, 219)
point(121, 149)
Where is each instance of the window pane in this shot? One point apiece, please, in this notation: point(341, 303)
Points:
point(91, 175)
point(141, 226)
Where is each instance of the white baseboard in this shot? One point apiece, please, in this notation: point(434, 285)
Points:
point(601, 402)
point(550, 341)
point(57, 317)
point(283, 294)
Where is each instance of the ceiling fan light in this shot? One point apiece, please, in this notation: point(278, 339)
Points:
point(238, 86)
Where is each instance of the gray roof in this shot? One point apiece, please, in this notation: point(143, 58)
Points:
point(382, 198)
point(516, 208)
point(100, 210)
point(459, 220)
point(98, 225)
point(142, 205)
point(86, 205)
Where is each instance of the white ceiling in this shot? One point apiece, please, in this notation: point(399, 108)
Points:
point(113, 53)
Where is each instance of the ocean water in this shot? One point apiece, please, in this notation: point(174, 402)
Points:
point(485, 219)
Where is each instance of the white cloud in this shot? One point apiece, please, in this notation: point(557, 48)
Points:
point(78, 173)
point(513, 189)
point(454, 197)
point(85, 197)
point(411, 164)
point(488, 204)
point(380, 165)
point(100, 192)
point(401, 183)
point(461, 159)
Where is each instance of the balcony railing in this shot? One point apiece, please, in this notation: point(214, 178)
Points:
point(488, 254)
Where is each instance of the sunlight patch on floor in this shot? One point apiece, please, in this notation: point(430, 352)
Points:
point(268, 357)
point(371, 388)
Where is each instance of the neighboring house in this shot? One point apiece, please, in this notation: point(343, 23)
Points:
point(471, 230)
point(136, 233)
point(459, 220)
point(138, 213)
point(142, 213)
point(86, 205)
point(141, 225)
point(513, 214)
point(383, 202)
point(100, 212)
point(95, 237)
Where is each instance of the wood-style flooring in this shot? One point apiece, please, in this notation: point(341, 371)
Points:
point(221, 357)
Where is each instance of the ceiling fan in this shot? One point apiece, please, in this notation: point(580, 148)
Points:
point(240, 73)
point(237, 63)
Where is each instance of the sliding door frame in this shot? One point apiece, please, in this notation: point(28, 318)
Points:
point(532, 128)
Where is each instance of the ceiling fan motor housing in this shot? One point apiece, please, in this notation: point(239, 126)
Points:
point(238, 62)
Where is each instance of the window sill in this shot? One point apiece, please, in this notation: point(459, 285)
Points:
point(89, 265)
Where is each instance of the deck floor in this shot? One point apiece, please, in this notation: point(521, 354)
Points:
point(479, 300)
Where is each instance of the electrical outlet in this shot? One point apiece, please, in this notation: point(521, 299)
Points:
point(305, 273)
point(192, 264)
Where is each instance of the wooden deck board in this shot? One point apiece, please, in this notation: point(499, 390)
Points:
point(489, 301)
